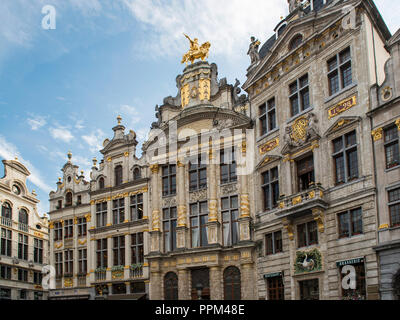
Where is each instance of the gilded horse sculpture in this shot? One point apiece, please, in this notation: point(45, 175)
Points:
point(196, 52)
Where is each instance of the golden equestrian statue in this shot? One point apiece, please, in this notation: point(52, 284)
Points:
point(196, 52)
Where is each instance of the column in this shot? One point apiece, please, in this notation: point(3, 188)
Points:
point(182, 209)
point(155, 216)
point(247, 281)
point(212, 183)
point(244, 219)
point(183, 283)
point(128, 255)
point(109, 257)
point(92, 259)
point(109, 212)
point(216, 283)
point(155, 286)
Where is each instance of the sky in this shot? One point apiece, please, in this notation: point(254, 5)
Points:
point(61, 89)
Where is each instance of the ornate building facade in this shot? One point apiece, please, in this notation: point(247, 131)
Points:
point(385, 122)
point(99, 229)
point(24, 246)
point(274, 195)
point(315, 196)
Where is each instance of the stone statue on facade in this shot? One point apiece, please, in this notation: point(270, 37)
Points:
point(156, 125)
point(253, 50)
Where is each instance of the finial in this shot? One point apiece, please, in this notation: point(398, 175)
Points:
point(94, 161)
point(119, 119)
point(59, 179)
point(81, 172)
point(16, 158)
point(34, 192)
point(69, 154)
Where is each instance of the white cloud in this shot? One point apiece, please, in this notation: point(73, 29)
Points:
point(94, 140)
point(62, 134)
point(36, 122)
point(130, 114)
point(228, 25)
point(9, 151)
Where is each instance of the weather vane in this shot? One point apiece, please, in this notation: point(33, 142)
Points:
point(196, 51)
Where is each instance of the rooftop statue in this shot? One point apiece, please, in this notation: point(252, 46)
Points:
point(196, 51)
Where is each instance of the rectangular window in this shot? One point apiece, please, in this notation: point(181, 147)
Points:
point(137, 207)
point(230, 223)
point(276, 289)
point(169, 228)
point(345, 158)
point(273, 243)
point(350, 223)
point(58, 231)
point(6, 240)
point(305, 173)
point(228, 166)
point(5, 272)
point(307, 234)
point(392, 152)
point(68, 229)
point(394, 207)
point(339, 71)
point(299, 95)
point(270, 187)
point(59, 263)
point(38, 251)
point(119, 251)
point(198, 224)
point(119, 211)
point(37, 278)
point(82, 227)
point(82, 261)
point(360, 292)
point(197, 174)
point(5, 294)
point(68, 262)
point(101, 253)
point(309, 289)
point(101, 214)
point(137, 248)
point(169, 180)
point(22, 247)
point(22, 275)
point(267, 117)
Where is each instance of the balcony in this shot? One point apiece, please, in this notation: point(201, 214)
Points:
point(82, 280)
point(100, 275)
point(23, 227)
point(136, 271)
point(6, 222)
point(296, 204)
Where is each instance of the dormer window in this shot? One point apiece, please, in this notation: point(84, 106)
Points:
point(136, 174)
point(101, 183)
point(23, 216)
point(295, 42)
point(118, 175)
point(68, 199)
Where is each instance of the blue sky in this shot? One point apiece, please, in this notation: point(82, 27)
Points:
point(62, 89)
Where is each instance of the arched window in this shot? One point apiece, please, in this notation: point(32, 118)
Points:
point(136, 174)
point(6, 210)
point(68, 199)
point(23, 216)
point(295, 42)
point(232, 285)
point(101, 183)
point(171, 286)
point(118, 175)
